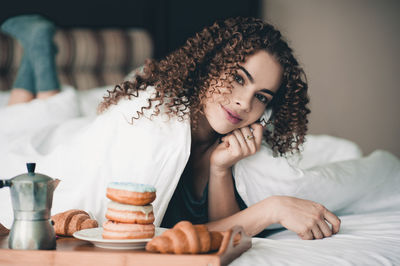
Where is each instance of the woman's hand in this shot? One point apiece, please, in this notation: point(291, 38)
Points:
point(235, 146)
point(308, 219)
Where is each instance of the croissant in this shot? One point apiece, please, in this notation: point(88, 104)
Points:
point(186, 238)
point(67, 223)
point(3, 230)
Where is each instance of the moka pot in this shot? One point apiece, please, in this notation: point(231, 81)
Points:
point(31, 197)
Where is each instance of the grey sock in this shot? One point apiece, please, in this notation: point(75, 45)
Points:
point(25, 79)
point(19, 27)
point(35, 33)
point(42, 53)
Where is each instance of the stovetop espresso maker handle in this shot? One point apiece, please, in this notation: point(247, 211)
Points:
point(5, 183)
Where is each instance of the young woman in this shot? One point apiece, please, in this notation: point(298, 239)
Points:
point(182, 124)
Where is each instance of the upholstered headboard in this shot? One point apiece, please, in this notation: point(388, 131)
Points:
point(86, 58)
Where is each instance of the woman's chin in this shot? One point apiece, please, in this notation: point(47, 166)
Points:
point(223, 129)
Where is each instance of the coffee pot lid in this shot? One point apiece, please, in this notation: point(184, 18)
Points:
point(31, 176)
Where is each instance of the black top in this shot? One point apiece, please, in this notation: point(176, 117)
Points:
point(184, 206)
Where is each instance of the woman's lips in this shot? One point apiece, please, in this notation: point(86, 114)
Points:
point(231, 116)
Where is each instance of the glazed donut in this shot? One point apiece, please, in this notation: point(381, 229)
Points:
point(114, 230)
point(124, 213)
point(131, 193)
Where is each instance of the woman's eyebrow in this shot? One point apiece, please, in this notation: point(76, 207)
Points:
point(252, 81)
point(268, 92)
point(247, 73)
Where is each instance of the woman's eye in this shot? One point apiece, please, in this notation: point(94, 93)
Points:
point(239, 79)
point(262, 98)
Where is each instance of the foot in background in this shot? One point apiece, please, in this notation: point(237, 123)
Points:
point(35, 33)
point(19, 95)
point(23, 89)
point(20, 27)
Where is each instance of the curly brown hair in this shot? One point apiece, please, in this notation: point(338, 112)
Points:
point(181, 78)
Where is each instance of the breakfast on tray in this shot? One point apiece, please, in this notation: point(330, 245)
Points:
point(130, 216)
point(71, 221)
point(129, 213)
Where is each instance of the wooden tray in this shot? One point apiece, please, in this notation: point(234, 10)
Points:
point(71, 251)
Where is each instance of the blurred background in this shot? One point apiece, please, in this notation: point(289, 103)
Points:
point(349, 50)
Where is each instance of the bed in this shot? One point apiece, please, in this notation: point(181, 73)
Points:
point(367, 237)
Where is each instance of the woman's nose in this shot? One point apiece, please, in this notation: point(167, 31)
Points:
point(244, 101)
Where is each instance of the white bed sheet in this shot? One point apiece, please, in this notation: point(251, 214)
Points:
point(364, 239)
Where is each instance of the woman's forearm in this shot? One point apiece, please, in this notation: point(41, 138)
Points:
point(253, 219)
point(308, 219)
point(221, 196)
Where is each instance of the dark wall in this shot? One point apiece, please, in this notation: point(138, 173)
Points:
point(170, 22)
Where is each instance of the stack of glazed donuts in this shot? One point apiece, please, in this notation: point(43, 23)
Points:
point(129, 213)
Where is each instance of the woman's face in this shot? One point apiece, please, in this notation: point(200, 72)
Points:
point(256, 82)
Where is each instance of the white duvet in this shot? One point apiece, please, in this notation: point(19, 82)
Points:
point(364, 239)
point(67, 141)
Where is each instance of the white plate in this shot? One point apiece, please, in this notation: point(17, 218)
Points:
point(94, 235)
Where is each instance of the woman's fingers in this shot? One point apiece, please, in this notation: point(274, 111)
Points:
point(308, 235)
point(333, 220)
point(317, 232)
point(241, 139)
point(247, 140)
point(234, 145)
point(257, 133)
point(325, 228)
point(321, 230)
point(237, 145)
